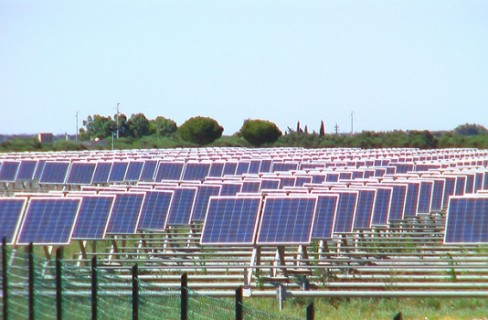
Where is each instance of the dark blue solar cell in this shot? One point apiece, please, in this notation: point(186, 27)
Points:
point(425, 196)
point(466, 220)
point(242, 167)
point(469, 183)
point(49, 221)
point(357, 174)
point(345, 175)
point(81, 173)
point(216, 169)
point(26, 170)
point(265, 165)
point(270, 184)
point(93, 217)
point(251, 186)
point(325, 215)
point(287, 220)
point(364, 211)
point(449, 189)
point(230, 168)
point(286, 182)
point(397, 207)
point(169, 171)
point(460, 185)
point(332, 177)
point(346, 209)
point(11, 210)
point(318, 178)
point(411, 199)
point(231, 220)
point(196, 171)
point(300, 181)
point(54, 172)
point(181, 206)
point(8, 170)
point(381, 211)
point(254, 166)
point(437, 194)
point(230, 189)
point(134, 171)
point(149, 170)
point(117, 174)
point(155, 210)
point(125, 213)
point(201, 202)
point(478, 181)
point(284, 166)
point(102, 172)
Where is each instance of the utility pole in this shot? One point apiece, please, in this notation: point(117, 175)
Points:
point(76, 125)
point(336, 127)
point(352, 123)
point(118, 111)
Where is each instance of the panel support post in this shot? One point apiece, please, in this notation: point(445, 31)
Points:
point(59, 284)
point(310, 311)
point(184, 297)
point(239, 305)
point(30, 255)
point(135, 293)
point(4, 279)
point(94, 288)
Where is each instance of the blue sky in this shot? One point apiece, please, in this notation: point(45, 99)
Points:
point(396, 64)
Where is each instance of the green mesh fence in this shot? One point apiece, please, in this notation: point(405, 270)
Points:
point(114, 295)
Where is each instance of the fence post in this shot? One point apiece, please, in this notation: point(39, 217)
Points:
point(398, 316)
point(4, 278)
point(184, 297)
point(94, 288)
point(310, 311)
point(239, 305)
point(59, 284)
point(135, 293)
point(30, 254)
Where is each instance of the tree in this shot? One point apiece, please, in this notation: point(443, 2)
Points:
point(98, 127)
point(469, 129)
point(200, 130)
point(322, 129)
point(259, 132)
point(138, 125)
point(162, 126)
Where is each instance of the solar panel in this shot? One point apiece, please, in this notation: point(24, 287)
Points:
point(364, 210)
point(346, 209)
point(381, 211)
point(230, 189)
point(230, 168)
point(397, 207)
point(286, 182)
point(102, 172)
point(449, 189)
point(149, 170)
point(8, 171)
point(254, 166)
point(93, 217)
point(268, 184)
point(49, 221)
point(81, 173)
point(125, 213)
point(437, 194)
point(11, 210)
point(231, 220)
point(284, 166)
point(301, 180)
point(332, 177)
point(196, 171)
point(26, 170)
point(39, 169)
point(467, 220)
point(325, 215)
point(425, 196)
point(287, 220)
point(155, 210)
point(181, 206)
point(54, 172)
point(242, 167)
point(470, 182)
point(460, 185)
point(134, 171)
point(411, 199)
point(117, 174)
point(265, 165)
point(216, 169)
point(169, 171)
point(251, 186)
point(201, 202)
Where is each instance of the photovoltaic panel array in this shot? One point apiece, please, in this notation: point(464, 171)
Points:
point(467, 220)
point(125, 213)
point(81, 173)
point(181, 206)
point(201, 202)
point(92, 222)
point(325, 215)
point(231, 220)
point(11, 212)
point(287, 220)
point(155, 210)
point(49, 221)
